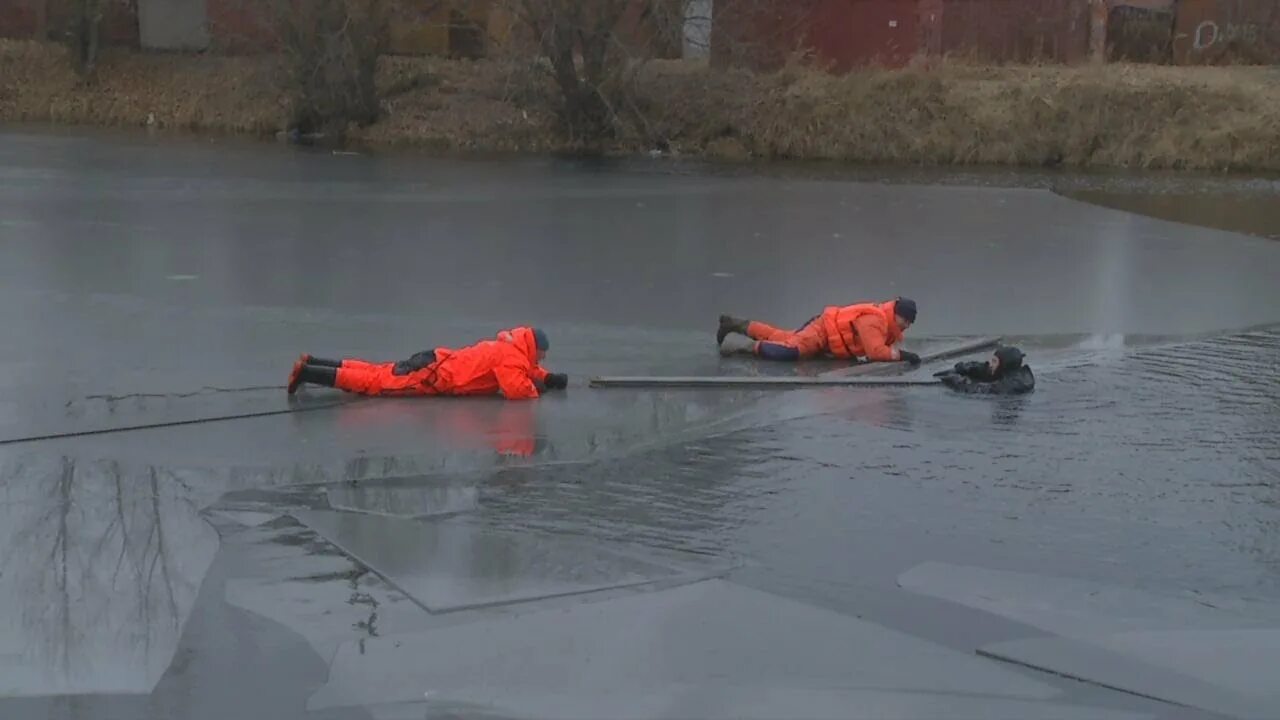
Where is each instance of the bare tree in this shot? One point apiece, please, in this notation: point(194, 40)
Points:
point(85, 35)
point(565, 30)
point(592, 53)
point(108, 561)
point(595, 55)
point(330, 50)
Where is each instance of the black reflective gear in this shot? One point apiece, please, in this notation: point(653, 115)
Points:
point(318, 375)
point(976, 378)
point(414, 363)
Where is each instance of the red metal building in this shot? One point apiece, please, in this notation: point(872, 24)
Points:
point(240, 26)
point(1016, 30)
point(837, 34)
point(22, 18)
point(842, 34)
point(42, 19)
point(847, 33)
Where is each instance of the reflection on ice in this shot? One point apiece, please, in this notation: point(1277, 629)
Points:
point(405, 497)
point(100, 566)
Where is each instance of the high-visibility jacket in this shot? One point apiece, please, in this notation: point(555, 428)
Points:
point(507, 364)
point(867, 330)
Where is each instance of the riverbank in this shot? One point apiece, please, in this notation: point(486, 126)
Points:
point(1085, 117)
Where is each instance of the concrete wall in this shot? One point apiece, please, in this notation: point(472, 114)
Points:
point(173, 24)
point(697, 28)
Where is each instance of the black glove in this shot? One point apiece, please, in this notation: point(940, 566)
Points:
point(556, 381)
point(908, 356)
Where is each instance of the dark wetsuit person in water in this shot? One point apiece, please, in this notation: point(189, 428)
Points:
point(1003, 374)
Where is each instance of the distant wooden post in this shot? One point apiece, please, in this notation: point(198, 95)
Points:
point(1098, 11)
point(42, 19)
point(931, 27)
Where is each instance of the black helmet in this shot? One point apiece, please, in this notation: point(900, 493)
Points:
point(1010, 358)
point(906, 309)
point(540, 339)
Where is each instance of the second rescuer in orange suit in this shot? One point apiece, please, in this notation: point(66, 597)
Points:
point(506, 365)
point(853, 332)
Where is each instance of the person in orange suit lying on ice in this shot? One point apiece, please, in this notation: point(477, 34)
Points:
point(508, 365)
point(865, 331)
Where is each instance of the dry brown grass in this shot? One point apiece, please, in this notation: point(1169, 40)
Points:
point(1113, 116)
point(200, 93)
point(455, 105)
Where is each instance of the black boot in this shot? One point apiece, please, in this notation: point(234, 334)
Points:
point(321, 361)
point(314, 374)
point(309, 359)
point(730, 324)
point(320, 375)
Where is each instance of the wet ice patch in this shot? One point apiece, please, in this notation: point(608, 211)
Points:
point(245, 518)
point(446, 566)
point(710, 650)
point(326, 599)
point(1217, 654)
point(410, 497)
point(1222, 671)
point(717, 700)
point(1076, 608)
point(100, 567)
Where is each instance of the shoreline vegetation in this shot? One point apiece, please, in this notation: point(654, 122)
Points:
point(945, 114)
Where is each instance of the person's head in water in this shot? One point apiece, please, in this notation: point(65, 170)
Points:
point(1005, 359)
point(905, 310)
point(541, 342)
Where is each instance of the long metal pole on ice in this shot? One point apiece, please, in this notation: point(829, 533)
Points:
point(846, 377)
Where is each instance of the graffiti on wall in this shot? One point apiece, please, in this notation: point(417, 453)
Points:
point(1209, 33)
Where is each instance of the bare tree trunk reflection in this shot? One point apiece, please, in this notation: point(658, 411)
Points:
point(105, 562)
point(160, 557)
point(65, 483)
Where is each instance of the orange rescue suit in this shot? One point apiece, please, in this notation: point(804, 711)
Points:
point(867, 330)
point(508, 364)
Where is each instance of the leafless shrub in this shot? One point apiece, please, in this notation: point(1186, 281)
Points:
point(329, 51)
point(593, 56)
point(85, 36)
point(583, 58)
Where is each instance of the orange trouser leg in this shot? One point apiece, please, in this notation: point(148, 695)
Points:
point(762, 331)
point(809, 341)
point(380, 379)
